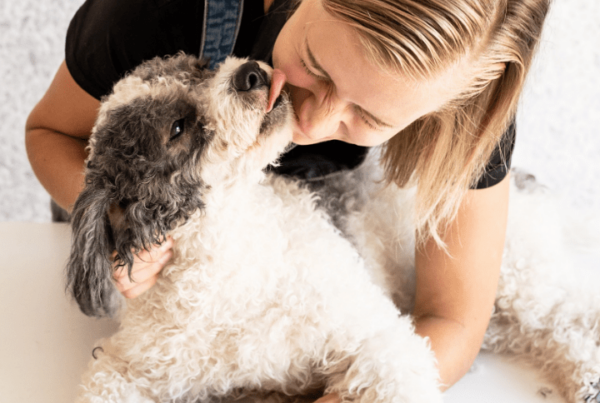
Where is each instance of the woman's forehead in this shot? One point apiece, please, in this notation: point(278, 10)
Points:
point(396, 98)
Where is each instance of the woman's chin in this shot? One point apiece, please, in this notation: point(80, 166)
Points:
point(301, 139)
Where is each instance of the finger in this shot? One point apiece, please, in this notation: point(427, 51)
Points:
point(140, 288)
point(155, 253)
point(124, 283)
point(140, 275)
point(144, 257)
point(330, 398)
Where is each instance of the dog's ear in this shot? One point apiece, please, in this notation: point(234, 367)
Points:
point(143, 223)
point(198, 67)
point(202, 64)
point(134, 226)
point(89, 270)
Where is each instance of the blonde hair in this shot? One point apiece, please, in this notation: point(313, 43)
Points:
point(446, 152)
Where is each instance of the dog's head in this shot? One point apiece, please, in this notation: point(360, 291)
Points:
point(169, 132)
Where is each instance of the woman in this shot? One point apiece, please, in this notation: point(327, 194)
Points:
point(437, 82)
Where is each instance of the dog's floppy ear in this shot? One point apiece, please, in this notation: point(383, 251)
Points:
point(89, 270)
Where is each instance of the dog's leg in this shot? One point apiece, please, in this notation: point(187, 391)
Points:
point(543, 311)
point(556, 331)
point(394, 365)
point(105, 381)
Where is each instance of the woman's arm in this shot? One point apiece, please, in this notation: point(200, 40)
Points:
point(455, 295)
point(56, 135)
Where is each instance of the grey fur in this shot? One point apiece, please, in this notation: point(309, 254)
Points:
point(142, 176)
point(138, 183)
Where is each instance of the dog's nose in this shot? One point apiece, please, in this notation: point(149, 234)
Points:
point(249, 76)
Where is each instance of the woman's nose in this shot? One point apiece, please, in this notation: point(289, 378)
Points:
point(319, 115)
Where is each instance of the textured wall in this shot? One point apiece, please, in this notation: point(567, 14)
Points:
point(31, 49)
point(558, 136)
point(558, 122)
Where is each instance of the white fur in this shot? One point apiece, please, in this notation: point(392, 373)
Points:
point(265, 294)
point(547, 311)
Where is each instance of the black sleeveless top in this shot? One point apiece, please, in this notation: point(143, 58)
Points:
point(108, 38)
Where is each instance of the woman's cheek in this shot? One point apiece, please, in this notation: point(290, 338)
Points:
point(288, 62)
point(295, 75)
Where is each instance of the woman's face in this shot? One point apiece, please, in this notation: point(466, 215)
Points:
point(338, 94)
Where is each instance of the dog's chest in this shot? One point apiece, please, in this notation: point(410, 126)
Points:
point(256, 254)
point(249, 248)
point(261, 276)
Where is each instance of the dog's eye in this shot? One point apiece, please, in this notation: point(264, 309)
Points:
point(177, 129)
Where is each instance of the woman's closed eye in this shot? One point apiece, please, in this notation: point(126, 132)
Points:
point(310, 73)
point(358, 110)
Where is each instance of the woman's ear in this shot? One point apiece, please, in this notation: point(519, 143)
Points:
point(89, 270)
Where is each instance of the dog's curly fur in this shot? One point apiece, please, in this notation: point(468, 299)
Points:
point(265, 298)
point(547, 310)
point(263, 294)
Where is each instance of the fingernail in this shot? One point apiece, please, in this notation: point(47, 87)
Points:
point(330, 398)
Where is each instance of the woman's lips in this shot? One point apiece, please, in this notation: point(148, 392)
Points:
point(277, 83)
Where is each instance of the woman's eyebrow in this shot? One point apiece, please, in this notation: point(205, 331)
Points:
point(315, 65)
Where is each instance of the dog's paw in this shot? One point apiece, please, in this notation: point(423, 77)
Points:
point(394, 366)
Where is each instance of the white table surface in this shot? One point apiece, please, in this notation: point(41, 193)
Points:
point(45, 342)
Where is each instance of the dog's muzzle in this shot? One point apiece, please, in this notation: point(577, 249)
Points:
point(249, 76)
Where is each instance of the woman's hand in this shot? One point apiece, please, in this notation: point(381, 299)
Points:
point(330, 398)
point(455, 293)
point(146, 266)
